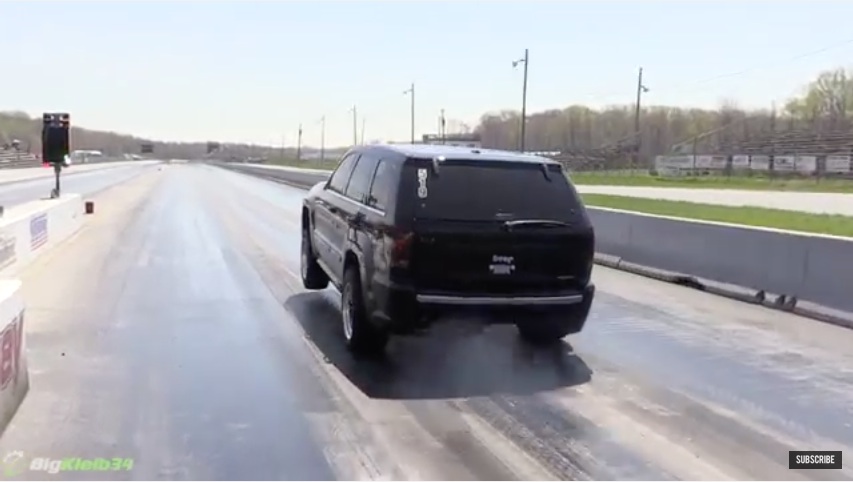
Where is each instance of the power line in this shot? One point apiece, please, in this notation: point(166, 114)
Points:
point(767, 65)
point(696, 83)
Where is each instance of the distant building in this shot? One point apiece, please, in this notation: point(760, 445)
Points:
point(461, 140)
point(84, 156)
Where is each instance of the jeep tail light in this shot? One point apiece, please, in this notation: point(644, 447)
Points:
point(400, 244)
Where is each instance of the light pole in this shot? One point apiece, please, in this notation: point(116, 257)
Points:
point(322, 138)
point(299, 145)
point(363, 121)
point(354, 126)
point(411, 91)
point(641, 89)
point(515, 63)
point(442, 128)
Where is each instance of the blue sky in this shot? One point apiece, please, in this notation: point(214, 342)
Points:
point(252, 71)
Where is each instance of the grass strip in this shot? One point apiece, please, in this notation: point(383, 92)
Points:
point(753, 183)
point(833, 224)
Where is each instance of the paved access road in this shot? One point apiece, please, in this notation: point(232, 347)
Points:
point(812, 202)
point(20, 187)
point(173, 330)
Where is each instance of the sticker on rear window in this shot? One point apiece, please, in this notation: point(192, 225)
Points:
point(422, 179)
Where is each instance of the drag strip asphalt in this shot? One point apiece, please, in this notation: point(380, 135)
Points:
point(173, 330)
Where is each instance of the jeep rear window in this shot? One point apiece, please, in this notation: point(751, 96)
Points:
point(481, 190)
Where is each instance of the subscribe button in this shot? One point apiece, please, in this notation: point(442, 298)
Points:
point(830, 459)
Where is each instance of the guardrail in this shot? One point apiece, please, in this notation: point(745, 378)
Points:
point(800, 267)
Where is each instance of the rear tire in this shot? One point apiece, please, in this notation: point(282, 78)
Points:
point(313, 276)
point(361, 336)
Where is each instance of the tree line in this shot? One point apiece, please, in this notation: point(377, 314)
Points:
point(825, 105)
point(27, 131)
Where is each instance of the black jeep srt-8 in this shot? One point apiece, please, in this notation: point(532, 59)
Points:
point(409, 233)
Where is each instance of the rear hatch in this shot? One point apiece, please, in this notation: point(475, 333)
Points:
point(498, 227)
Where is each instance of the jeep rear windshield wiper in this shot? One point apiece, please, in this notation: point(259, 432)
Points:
point(535, 223)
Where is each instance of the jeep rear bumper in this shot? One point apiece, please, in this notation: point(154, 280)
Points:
point(403, 310)
point(571, 299)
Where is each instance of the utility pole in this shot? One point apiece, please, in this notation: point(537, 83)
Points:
point(363, 121)
point(442, 128)
point(299, 145)
point(411, 91)
point(354, 126)
point(322, 138)
point(641, 89)
point(515, 63)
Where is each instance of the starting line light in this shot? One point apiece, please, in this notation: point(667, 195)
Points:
point(60, 118)
point(55, 138)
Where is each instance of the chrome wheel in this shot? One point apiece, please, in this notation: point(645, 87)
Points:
point(347, 310)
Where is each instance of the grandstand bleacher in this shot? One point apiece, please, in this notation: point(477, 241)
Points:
point(795, 142)
point(11, 158)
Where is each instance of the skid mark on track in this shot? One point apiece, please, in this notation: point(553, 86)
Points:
point(446, 423)
point(760, 332)
point(669, 454)
point(582, 450)
point(521, 463)
point(802, 400)
point(344, 446)
point(737, 442)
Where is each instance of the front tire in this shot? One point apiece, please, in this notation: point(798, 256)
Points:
point(313, 276)
point(360, 335)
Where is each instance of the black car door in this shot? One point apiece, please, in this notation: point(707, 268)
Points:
point(353, 217)
point(327, 221)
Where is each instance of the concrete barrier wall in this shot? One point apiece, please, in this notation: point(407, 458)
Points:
point(26, 232)
point(810, 267)
point(14, 376)
point(34, 227)
point(813, 268)
point(299, 177)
